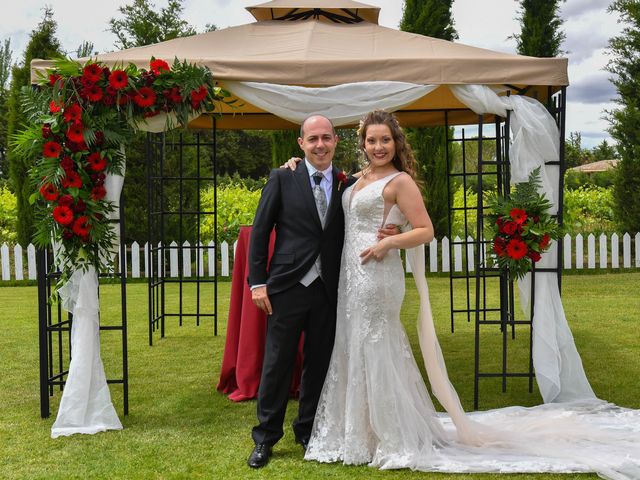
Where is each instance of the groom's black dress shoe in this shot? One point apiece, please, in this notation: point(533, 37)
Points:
point(260, 456)
point(304, 442)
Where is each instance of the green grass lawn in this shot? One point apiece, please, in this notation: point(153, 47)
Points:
point(180, 427)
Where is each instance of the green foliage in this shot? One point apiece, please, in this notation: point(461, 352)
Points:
point(589, 209)
point(574, 153)
point(246, 182)
point(434, 19)
point(429, 17)
point(540, 28)
point(574, 179)
point(625, 120)
point(8, 212)
point(5, 70)
point(604, 151)
point(143, 25)
point(458, 216)
point(429, 149)
point(85, 49)
point(284, 145)
point(247, 153)
point(42, 44)
point(236, 207)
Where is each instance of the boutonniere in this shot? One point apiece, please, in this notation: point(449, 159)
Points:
point(342, 179)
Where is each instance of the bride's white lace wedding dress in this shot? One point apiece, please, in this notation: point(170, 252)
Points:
point(375, 408)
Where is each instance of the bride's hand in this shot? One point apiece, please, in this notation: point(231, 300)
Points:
point(388, 230)
point(292, 163)
point(377, 251)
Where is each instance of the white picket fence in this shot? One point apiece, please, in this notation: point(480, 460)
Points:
point(207, 260)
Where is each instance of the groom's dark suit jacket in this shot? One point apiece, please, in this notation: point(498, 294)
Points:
point(287, 203)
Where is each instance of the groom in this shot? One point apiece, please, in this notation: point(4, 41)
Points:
point(298, 288)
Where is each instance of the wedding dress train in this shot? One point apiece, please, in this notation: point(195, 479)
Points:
point(375, 408)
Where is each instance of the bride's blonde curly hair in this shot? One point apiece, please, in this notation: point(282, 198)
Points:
point(403, 159)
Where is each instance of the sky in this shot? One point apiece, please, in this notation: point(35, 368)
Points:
point(481, 23)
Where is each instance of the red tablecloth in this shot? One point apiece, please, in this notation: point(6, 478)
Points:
point(246, 331)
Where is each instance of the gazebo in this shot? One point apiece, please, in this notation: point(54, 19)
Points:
point(331, 56)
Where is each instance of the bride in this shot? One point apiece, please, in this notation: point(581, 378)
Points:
point(375, 408)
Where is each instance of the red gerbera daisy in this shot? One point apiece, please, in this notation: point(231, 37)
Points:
point(53, 78)
point(94, 93)
point(173, 95)
point(49, 192)
point(53, 107)
point(75, 133)
point(98, 192)
point(499, 245)
point(519, 215)
point(517, 249)
point(73, 113)
point(118, 79)
point(81, 226)
point(92, 72)
point(87, 82)
point(197, 96)
point(158, 66)
point(66, 163)
point(96, 162)
point(51, 149)
point(79, 207)
point(145, 97)
point(544, 242)
point(72, 180)
point(46, 130)
point(63, 215)
point(533, 255)
point(65, 200)
point(510, 227)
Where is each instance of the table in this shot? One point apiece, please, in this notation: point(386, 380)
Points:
point(246, 332)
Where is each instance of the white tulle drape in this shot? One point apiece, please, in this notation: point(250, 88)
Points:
point(343, 104)
point(535, 141)
point(85, 406)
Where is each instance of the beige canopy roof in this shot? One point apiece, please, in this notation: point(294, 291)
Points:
point(317, 52)
point(335, 11)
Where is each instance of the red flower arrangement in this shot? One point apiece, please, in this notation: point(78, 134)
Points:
point(520, 227)
point(86, 113)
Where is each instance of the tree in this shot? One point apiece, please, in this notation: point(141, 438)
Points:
point(604, 151)
point(85, 49)
point(142, 25)
point(5, 72)
point(574, 154)
point(625, 120)
point(540, 35)
point(42, 44)
point(432, 18)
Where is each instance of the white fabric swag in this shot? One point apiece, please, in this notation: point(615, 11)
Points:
point(85, 406)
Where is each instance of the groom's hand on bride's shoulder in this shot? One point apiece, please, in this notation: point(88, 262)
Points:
point(388, 231)
point(292, 163)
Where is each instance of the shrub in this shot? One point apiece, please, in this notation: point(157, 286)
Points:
point(589, 209)
point(236, 207)
point(8, 216)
